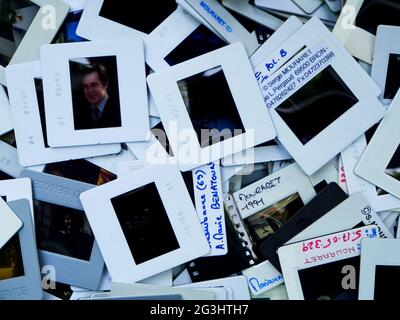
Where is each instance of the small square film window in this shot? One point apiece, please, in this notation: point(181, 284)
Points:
point(317, 105)
point(145, 223)
point(143, 16)
point(211, 106)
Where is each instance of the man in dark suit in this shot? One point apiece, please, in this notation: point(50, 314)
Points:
point(101, 111)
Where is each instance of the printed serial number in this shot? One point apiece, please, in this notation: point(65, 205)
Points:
point(220, 309)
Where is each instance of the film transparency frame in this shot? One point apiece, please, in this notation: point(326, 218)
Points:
point(286, 8)
point(162, 40)
point(270, 152)
point(6, 123)
point(253, 13)
point(277, 293)
point(32, 149)
point(10, 223)
point(227, 173)
point(39, 32)
point(293, 258)
point(326, 200)
point(17, 189)
point(288, 29)
point(350, 158)
point(391, 221)
point(9, 162)
point(359, 42)
point(111, 162)
point(324, 176)
point(320, 149)
point(128, 167)
point(272, 189)
point(137, 289)
point(171, 105)
point(352, 212)
point(95, 27)
point(181, 26)
point(238, 284)
point(161, 279)
point(380, 151)
point(382, 252)
point(152, 108)
point(157, 60)
point(384, 48)
point(156, 56)
point(308, 6)
point(65, 192)
point(259, 154)
point(129, 55)
point(151, 151)
point(238, 177)
point(108, 163)
point(231, 31)
point(28, 286)
point(262, 278)
point(183, 220)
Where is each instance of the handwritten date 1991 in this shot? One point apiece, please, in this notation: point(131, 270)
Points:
point(254, 204)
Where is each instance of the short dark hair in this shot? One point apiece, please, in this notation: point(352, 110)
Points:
point(100, 70)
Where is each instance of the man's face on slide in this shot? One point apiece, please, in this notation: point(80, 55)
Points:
point(94, 89)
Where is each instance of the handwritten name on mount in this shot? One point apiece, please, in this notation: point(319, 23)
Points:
point(208, 191)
